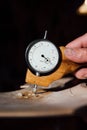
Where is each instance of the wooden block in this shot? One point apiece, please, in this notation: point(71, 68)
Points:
point(65, 67)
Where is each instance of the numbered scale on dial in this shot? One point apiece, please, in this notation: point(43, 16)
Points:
point(42, 57)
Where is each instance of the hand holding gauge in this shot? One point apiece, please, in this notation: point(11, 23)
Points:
point(46, 63)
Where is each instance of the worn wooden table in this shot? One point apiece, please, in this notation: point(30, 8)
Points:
point(63, 100)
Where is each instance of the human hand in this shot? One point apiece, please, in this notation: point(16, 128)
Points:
point(76, 51)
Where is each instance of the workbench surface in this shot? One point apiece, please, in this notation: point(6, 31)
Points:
point(65, 101)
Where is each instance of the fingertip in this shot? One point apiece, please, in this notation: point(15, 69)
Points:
point(78, 55)
point(71, 54)
point(81, 74)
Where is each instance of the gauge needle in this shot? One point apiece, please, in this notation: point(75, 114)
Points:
point(46, 58)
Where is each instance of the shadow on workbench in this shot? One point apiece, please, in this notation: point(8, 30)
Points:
point(69, 84)
point(45, 123)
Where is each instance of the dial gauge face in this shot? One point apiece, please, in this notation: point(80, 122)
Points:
point(42, 56)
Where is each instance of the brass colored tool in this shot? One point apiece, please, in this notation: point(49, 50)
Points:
point(64, 67)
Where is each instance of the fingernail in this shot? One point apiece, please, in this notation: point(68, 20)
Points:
point(85, 76)
point(70, 52)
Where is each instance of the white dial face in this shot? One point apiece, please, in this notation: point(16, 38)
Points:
point(43, 56)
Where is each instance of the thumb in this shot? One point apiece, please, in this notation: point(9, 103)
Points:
point(78, 55)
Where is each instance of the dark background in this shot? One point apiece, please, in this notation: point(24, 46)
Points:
point(22, 21)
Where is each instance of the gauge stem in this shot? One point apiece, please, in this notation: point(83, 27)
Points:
point(35, 85)
point(45, 35)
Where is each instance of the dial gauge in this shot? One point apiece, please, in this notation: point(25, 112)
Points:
point(42, 56)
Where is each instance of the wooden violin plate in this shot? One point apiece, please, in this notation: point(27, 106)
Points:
point(45, 103)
